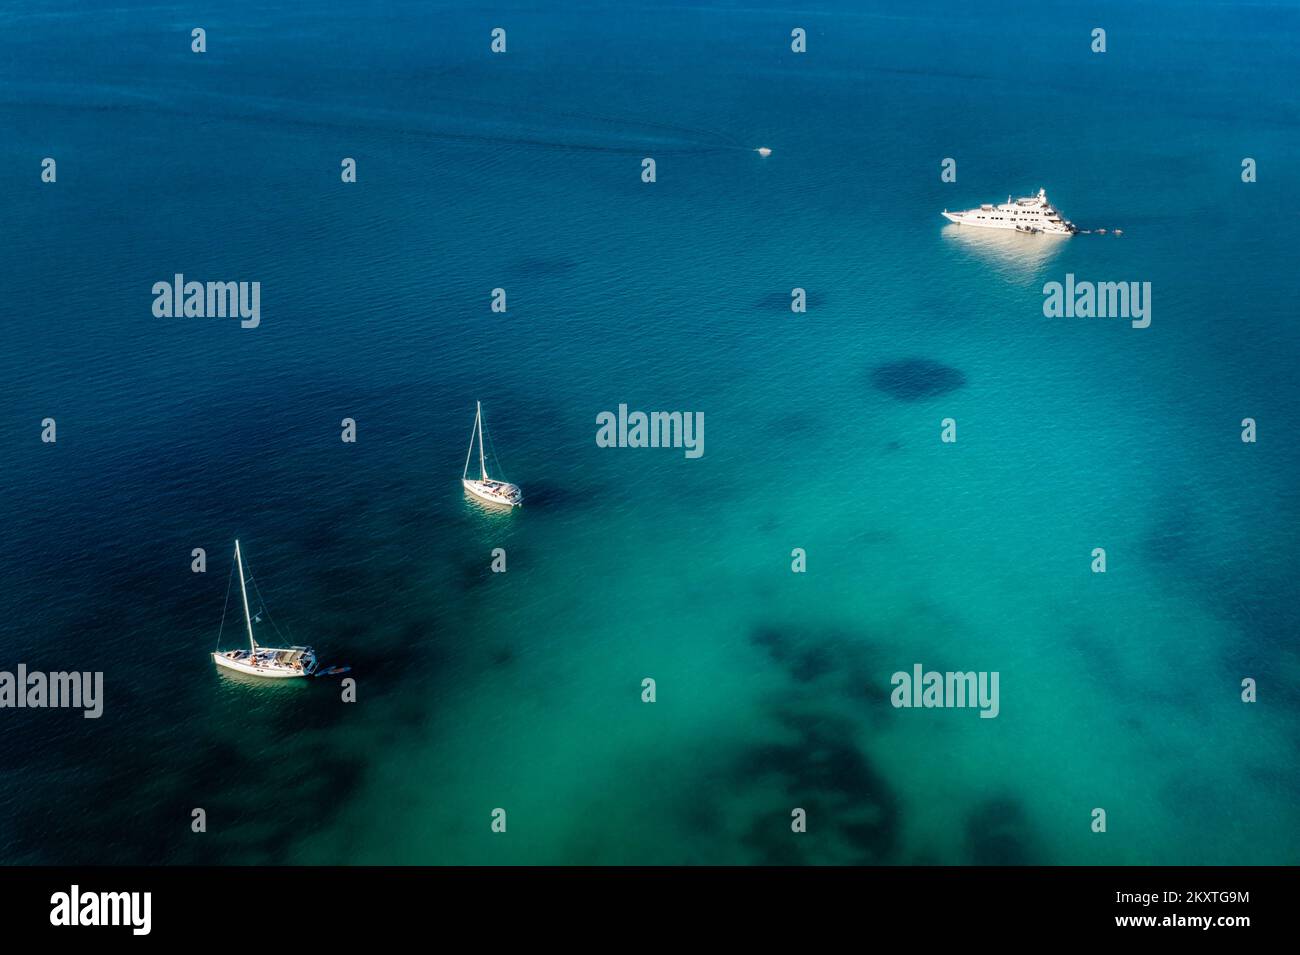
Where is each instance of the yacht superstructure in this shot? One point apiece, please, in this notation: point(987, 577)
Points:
point(1032, 214)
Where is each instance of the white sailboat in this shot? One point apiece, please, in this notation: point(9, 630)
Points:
point(273, 662)
point(486, 488)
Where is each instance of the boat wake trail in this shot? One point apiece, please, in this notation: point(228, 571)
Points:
point(447, 119)
point(578, 130)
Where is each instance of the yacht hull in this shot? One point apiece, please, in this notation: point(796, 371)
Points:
point(496, 492)
point(960, 219)
point(269, 671)
point(1032, 215)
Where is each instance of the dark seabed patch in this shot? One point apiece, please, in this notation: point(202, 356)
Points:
point(914, 379)
point(115, 811)
point(549, 494)
point(473, 573)
point(839, 666)
point(803, 661)
point(998, 833)
point(853, 813)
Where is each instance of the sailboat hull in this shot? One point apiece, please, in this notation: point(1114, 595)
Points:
point(495, 492)
point(264, 666)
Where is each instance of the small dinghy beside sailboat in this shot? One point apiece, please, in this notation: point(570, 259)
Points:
point(486, 488)
point(273, 662)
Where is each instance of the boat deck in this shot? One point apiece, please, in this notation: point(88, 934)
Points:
point(291, 661)
point(498, 492)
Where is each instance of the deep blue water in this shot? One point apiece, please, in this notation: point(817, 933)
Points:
point(523, 690)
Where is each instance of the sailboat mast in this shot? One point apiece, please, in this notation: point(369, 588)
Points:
point(244, 593)
point(482, 466)
point(470, 450)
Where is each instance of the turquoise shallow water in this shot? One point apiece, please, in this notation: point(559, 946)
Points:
point(522, 690)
